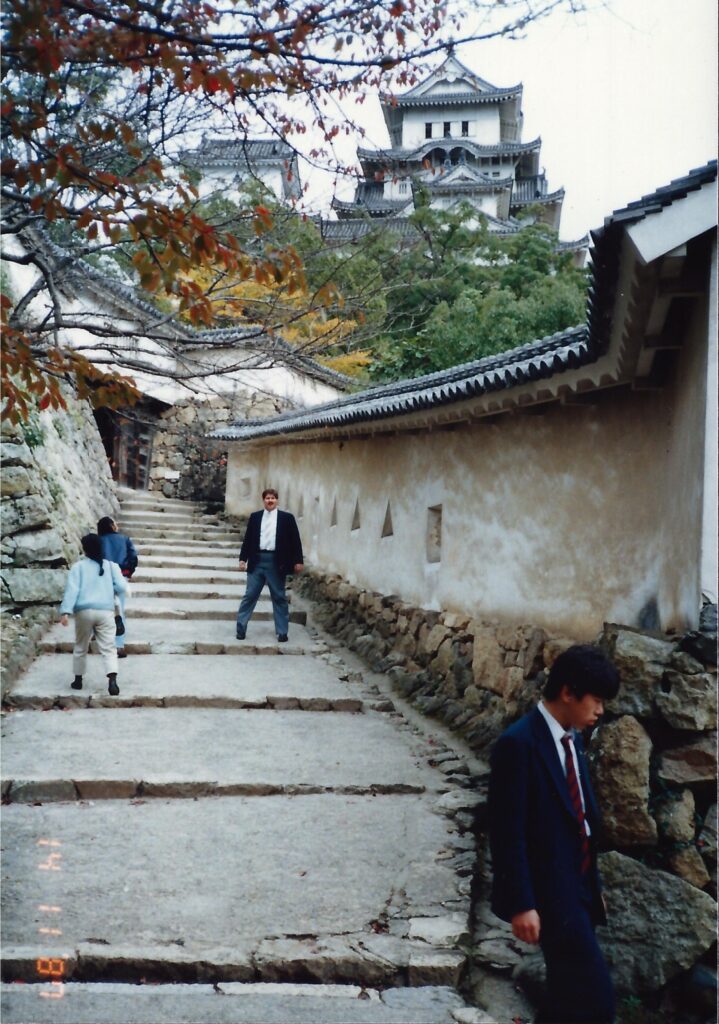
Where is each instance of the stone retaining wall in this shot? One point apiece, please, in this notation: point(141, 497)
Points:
point(185, 462)
point(56, 483)
point(653, 756)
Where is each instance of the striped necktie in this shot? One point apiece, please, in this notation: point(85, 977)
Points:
point(576, 798)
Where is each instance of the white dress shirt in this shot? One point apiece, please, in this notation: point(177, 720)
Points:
point(268, 530)
point(558, 731)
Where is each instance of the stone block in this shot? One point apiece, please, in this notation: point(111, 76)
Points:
point(621, 756)
point(688, 864)
point(707, 841)
point(674, 816)
point(487, 659)
point(37, 546)
point(695, 762)
point(641, 661)
point(15, 454)
point(34, 586)
point(688, 701)
point(660, 925)
point(15, 480)
point(440, 931)
point(25, 513)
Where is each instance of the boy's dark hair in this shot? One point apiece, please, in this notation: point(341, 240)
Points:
point(270, 490)
point(92, 546)
point(105, 526)
point(582, 669)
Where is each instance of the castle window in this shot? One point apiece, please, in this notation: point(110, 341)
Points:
point(434, 534)
point(403, 187)
point(447, 129)
point(428, 129)
point(465, 129)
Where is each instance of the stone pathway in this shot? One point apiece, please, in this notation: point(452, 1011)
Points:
point(260, 839)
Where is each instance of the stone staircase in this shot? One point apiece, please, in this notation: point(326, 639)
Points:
point(233, 840)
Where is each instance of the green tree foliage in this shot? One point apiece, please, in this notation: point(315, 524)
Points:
point(459, 293)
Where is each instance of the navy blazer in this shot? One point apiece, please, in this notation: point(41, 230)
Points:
point(534, 832)
point(288, 546)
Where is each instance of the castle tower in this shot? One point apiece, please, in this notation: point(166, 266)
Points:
point(459, 137)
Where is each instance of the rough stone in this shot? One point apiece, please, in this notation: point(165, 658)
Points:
point(15, 480)
point(37, 546)
point(620, 757)
point(708, 836)
point(641, 661)
point(25, 513)
point(688, 701)
point(688, 864)
point(695, 762)
point(34, 586)
point(660, 925)
point(487, 660)
point(675, 817)
point(15, 454)
point(440, 931)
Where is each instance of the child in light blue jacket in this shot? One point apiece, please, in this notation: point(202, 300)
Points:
point(90, 597)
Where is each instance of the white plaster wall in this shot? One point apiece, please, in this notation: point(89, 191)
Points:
point(567, 518)
point(486, 118)
point(229, 180)
point(710, 555)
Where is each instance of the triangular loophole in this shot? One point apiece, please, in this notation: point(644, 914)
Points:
point(356, 516)
point(387, 528)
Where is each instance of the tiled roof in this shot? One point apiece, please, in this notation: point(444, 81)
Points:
point(536, 361)
point(444, 99)
point(463, 142)
point(241, 151)
point(604, 254)
point(541, 359)
point(74, 272)
point(520, 199)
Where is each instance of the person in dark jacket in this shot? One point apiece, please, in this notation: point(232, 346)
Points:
point(544, 823)
point(117, 547)
point(271, 551)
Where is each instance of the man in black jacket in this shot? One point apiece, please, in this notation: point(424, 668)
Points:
point(271, 551)
point(543, 821)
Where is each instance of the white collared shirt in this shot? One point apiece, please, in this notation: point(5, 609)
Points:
point(268, 530)
point(558, 731)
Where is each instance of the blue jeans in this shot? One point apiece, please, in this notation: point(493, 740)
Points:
point(265, 572)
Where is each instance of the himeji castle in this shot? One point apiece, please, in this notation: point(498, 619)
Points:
point(459, 138)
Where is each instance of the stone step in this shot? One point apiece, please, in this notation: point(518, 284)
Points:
point(194, 590)
point(108, 752)
point(220, 609)
point(202, 561)
point(208, 534)
point(166, 680)
point(187, 549)
point(132, 524)
point(262, 888)
point(225, 1002)
point(152, 576)
point(182, 636)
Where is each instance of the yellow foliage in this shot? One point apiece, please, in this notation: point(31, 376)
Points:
point(351, 364)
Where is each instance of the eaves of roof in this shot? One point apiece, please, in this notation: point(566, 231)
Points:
point(446, 99)
point(551, 197)
point(606, 251)
point(539, 360)
point(75, 272)
point(397, 153)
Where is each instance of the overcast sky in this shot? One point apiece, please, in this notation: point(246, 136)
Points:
point(624, 98)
